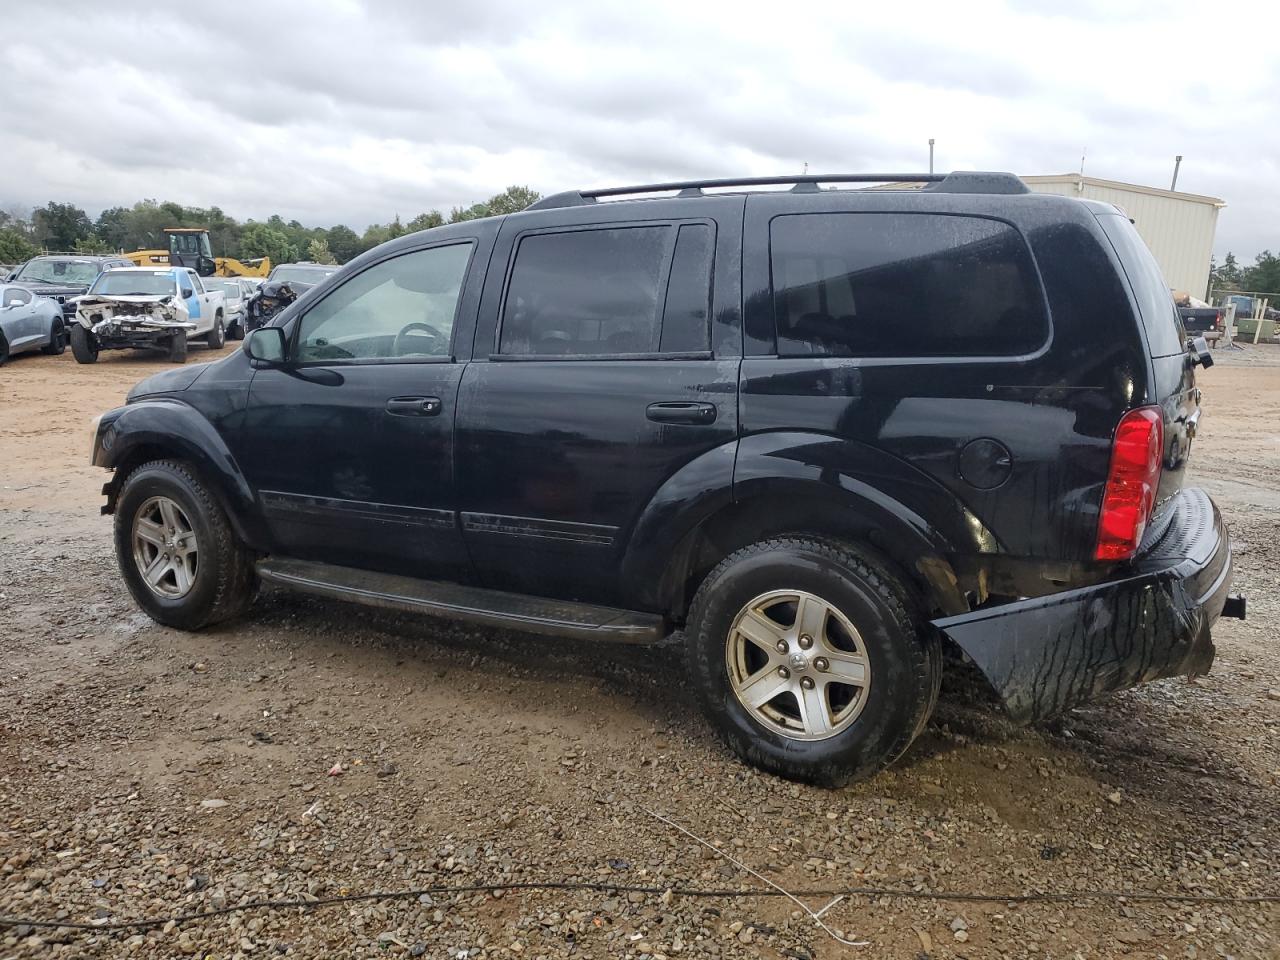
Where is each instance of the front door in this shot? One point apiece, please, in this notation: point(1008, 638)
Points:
point(599, 375)
point(350, 444)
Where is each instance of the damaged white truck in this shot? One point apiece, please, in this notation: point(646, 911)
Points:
point(145, 308)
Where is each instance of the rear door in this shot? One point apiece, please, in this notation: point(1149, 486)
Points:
point(606, 359)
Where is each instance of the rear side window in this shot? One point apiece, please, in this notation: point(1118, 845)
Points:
point(1165, 334)
point(610, 291)
point(903, 285)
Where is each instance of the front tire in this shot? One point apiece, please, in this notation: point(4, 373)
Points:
point(177, 551)
point(83, 345)
point(811, 659)
point(217, 337)
point(57, 339)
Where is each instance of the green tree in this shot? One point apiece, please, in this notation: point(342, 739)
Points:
point(261, 240)
point(59, 225)
point(92, 244)
point(425, 221)
point(510, 200)
point(14, 247)
point(318, 252)
point(343, 242)
point(1264, 275)
point(374, 235)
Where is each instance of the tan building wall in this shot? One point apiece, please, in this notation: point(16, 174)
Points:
point(1178, 227)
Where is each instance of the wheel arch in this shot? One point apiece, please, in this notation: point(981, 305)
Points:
point(168, 429)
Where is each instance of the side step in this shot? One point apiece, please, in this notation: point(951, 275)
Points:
point(495, 608)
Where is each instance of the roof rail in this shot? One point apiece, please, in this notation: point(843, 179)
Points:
point(959, 182)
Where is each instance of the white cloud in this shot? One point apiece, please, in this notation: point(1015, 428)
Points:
point(348, 111)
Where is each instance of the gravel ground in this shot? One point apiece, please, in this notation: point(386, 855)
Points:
point(146, 772)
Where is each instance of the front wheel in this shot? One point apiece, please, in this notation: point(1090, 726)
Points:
point(178, 347)
point(177, 551)
point(811, 659)
point(57, 339)
point(83, 345)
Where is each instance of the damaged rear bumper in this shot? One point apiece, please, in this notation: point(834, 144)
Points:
point(1050, 653)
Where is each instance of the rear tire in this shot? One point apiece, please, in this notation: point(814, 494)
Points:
point(177, 551)
point(856, 682)
point(57, 339)
point(83, 345)
point(178, 347)
point(4, 350)
point(217, 337)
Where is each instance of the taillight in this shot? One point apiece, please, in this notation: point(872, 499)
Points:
point(1130, 494)
point(1217, 320)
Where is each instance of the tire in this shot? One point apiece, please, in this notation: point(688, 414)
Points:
point(236, 331)
point(83, 345)
point(863, 616)
point(4, 350)
point(178, 347)
point(216, 569)
point(57, 339)
point(217, 337)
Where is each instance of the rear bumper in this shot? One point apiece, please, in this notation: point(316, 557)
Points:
point(1050, 653)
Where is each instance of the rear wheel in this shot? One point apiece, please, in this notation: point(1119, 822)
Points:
point(57, 339)
point(177, 551)
point(178, 347)
point(216, 337)
point(236, 331)
point(4, 350)
point(83, 345)
point(811, 660)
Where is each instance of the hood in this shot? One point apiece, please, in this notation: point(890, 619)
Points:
point(168, 381)
point(53, 289)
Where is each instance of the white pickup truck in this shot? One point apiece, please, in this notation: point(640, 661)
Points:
point(147, 308)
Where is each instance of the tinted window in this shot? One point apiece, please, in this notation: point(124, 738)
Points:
point(909, 285)
point(1165, 335)
point(586, 293)
point(399, 308)
point(686, 318)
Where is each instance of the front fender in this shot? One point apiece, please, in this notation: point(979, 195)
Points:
point(167, 427)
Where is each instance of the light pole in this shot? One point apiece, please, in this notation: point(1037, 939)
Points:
point(931, 154)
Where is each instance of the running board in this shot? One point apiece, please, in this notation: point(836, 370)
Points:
point(495, 608)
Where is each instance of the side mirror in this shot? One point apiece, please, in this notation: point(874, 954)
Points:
point(266, 345)
point(1199, 350)
point(187, 293)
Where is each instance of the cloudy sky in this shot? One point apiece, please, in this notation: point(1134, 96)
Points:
point(353, 111)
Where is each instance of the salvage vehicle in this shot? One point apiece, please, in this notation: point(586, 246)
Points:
point(267, 301)
point(143, 308)
point(236, 292)
point(823, 436)
point(29, 322)
point(63, 277)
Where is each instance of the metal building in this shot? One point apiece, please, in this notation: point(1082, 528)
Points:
point(1178, 227)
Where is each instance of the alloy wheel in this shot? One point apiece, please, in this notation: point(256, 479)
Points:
point(165, 548)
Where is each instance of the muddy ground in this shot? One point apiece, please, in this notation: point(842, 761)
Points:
point(146, 772)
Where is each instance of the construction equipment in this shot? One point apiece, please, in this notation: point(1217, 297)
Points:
point(189, 247)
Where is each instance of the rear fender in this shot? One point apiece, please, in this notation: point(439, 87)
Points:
point(165, 427)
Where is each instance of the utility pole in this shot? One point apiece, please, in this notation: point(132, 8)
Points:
point(1177, 162)
point(931, 154)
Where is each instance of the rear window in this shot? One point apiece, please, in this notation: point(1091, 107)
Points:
point(1165, 334)
point(610, 291)
point(903, 285)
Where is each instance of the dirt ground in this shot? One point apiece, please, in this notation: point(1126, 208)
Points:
point(146, 772)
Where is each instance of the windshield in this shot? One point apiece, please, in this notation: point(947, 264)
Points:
point(59, 271)
point(124, 283)
point(230, 287)
point(302, 274)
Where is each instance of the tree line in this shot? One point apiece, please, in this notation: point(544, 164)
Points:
point(65, 227)
point(1262, 277)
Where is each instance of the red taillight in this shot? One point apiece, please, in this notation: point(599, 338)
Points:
point(1136, 454)
point(1217, 320)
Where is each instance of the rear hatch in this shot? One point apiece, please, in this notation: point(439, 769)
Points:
point(1172, 382)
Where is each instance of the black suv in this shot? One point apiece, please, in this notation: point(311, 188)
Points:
point(823, 435)
point(63, 277)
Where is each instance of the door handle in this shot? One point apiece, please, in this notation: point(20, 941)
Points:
point(413, 406)
point(681, 411)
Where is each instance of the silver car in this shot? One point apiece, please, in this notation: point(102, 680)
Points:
point(237, 291)
point(29, 322)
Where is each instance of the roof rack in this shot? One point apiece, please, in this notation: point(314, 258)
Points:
point(957, 182)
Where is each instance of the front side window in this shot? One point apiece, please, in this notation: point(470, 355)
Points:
point(401, 308)
point(903, 285)
point(615, 291)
